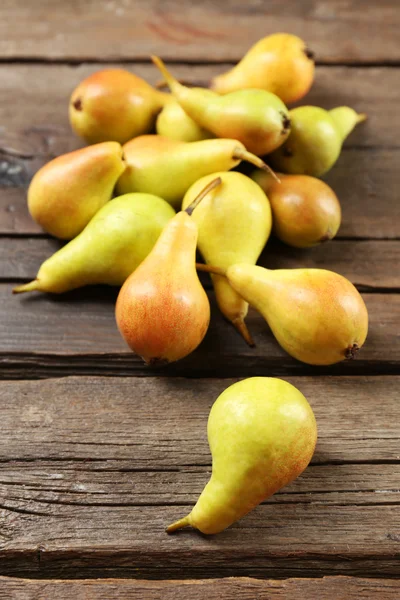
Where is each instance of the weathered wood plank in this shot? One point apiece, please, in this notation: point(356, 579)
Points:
point(132, 29)
point(85, 481)
point(326, 588)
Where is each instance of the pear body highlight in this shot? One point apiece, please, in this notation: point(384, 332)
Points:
point(262, 434)
point(174, 123)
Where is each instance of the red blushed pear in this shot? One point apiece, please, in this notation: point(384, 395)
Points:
point(162, 310)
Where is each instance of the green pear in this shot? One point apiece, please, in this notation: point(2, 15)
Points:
point(262, 434)
point(167, 168)
point(69, 190)
point(316, 139)
point(257, 118)
point(174, 123)
point(113, 244)
point(234, 223)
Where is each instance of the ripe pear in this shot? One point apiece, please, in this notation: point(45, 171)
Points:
point(162, 310)
point(279, 63)
point(262, 434)
point(69, 190)
point(306, 211)
point(317, 316)
point(114, 104)
point(174, 123)
point(234, 222)
point(316, 139)
point(257, 118)
point(112, 245)
point(167, 168)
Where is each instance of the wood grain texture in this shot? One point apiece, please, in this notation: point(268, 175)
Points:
point(325, 588)
point(89, 480)
point(133, 29)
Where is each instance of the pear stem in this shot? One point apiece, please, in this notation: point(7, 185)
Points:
point(162, 84)
point(169, 78)
point(180, 524)
point(361, 117)
point(211, 269)
point(27, 287)
point(242, 154)
point(243, 330)
point(213, 184)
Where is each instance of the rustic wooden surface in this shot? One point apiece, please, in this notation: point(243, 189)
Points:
point(97, 452)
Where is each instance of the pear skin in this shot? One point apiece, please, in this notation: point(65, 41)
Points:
point(257, 118)
point(162, 310)
point(234, 223)
point(174, 123)
point(306, 211)
point(279, 63)
point(262, 434)
point(114, 104)
point(167, 168)
point(315, 141)
point(69, 190)
point(113, 244)
point(317, 316)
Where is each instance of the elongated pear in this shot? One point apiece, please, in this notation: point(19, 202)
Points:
point(162, 310)
point(306, 211)
point(69, 190)
point(174, 123)
point(167, 168)
point(280, 63)
point(317, 316)
point(262, 434)
point(234, 222)
point(113, 244)
point(316, 139)
point(257, 118)
point(114, 104)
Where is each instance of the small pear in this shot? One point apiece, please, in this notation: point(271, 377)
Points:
point(162, 310)
point(174, 123)
point(262, 434)
point(234, 222)
point(306, 211)
point(167, 168)
point(69, 190)
point(114, 104)
point(112, 245)
point(316, 139)
point(317, 316)
point(257, 118)
point(279, 63)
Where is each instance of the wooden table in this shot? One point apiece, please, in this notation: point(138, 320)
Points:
point(99, 453)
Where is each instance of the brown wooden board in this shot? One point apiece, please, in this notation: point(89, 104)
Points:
point(353, 32)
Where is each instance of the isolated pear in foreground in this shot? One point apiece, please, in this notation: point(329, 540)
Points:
point(69, 190)
point(114, 104)
point(280, 63)
point(167, 168)
point(162, 310)
point(317, 316)
point(306, 211)
point(257, 118)
point(174, 123)
point(234, 222)
point(112, 245)
point(316, 139)
point(262, 434)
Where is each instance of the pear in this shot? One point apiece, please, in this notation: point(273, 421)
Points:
point(174, 123)
point(114, 104)
point(67, 192)
point(279, 63)
point(306, 211)
point(316, 139)
point(257, 118)
point(112, 245)
point(262, 434)
point(167, 168)
point(234, 222)
point(317, 316)
point(162, 310)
